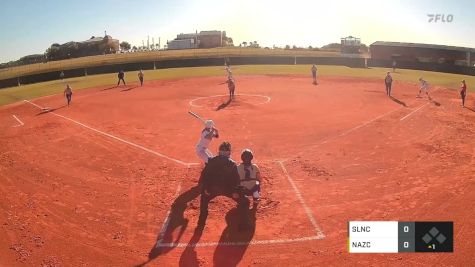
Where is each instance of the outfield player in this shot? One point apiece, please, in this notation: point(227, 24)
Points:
point(463, 92)
point(207, 134)
point(250, 176)
point(68, 93)
point(121, 75)
point(140, 75)
point(314, 74)
point(220, 178)
point(388, 81)
point(424, 86)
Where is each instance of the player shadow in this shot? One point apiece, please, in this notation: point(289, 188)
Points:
point(226, 255)
point(231, 245)
point(224, 105)
point(109, 88)
point(176, 221)
point(471, 109)
point(50, 110)
point(398, 101)
point(434, 102)
point(128, 89)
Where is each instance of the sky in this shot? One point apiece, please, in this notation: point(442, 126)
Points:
point(31, 26)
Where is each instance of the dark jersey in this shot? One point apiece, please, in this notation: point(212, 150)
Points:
point(231, 85)
point(220, 176)
point(120, 75)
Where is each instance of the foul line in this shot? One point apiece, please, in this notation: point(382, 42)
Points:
point(302, 201)
point(19, 121)
point(118, 138)
point(414, 111)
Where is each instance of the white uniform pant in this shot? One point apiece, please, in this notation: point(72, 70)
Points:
point(203, 153)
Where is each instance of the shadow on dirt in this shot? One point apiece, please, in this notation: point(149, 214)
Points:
point(48, 110)
point(224, 105)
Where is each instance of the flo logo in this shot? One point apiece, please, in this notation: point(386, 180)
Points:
point(440, 18)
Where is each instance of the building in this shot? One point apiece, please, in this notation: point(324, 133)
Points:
point(204, 39)
point(426, 53)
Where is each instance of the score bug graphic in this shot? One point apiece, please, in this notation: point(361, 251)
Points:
point(396, 237)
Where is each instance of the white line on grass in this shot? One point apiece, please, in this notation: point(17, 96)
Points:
point(302, 201)
point(414, 111)
point(118, 138)
point(19, 121)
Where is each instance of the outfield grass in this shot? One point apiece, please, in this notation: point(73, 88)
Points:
point(148, 56)
point(14, 94)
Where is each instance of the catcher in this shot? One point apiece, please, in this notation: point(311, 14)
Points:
point(250, 177)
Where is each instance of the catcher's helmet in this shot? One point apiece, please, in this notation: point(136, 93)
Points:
point(247, 155)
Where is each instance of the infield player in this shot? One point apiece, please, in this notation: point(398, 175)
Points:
point(121, 75)
point(250, 176)
point(229, 72)
point(388, 80)
point(424, 86)
point(314, 74)
point(463, 92)
point(231, 87)
point(207, 134)
point(140, 75)
point(68, 93)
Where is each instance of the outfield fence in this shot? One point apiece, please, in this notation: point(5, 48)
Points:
point(150, 60)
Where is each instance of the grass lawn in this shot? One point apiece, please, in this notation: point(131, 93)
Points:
point(31, 91)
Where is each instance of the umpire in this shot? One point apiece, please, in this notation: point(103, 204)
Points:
point(220, 177)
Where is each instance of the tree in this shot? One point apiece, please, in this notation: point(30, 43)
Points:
point(310, 47)
point(332, 46)
point(364, 48)
point(125, 46)
point(287, 47)
point(244, 44)
point(134, 48)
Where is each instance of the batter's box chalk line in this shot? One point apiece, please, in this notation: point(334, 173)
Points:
point(319, 235)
